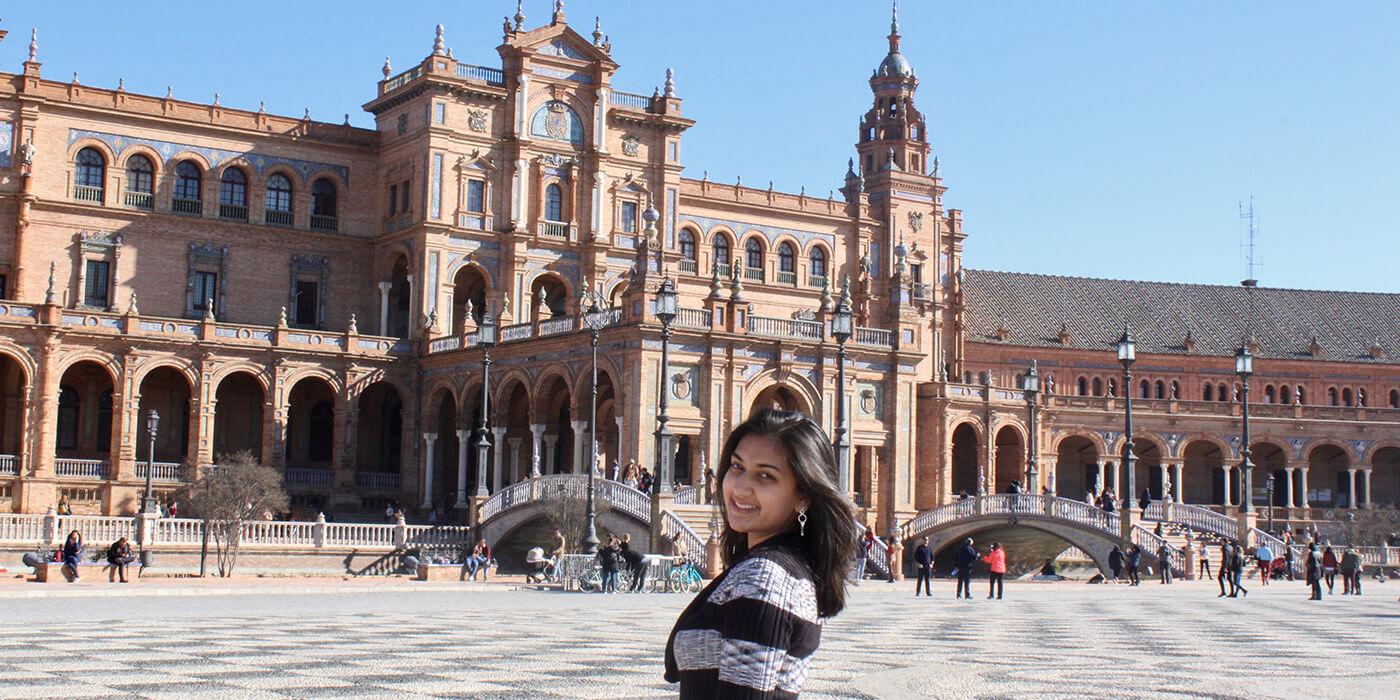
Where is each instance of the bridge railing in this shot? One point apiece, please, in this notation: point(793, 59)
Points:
point(947, 513)
point(687, 496)
point(504, 499)
point(671, 524)
point(626, 499)
point(1152, 543)
point(1084, 514)
point(1013, 504)
point(618, 495)
point(1195, 517)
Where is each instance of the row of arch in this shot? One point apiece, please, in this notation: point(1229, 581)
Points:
point(1223, 391)
point(755, 254)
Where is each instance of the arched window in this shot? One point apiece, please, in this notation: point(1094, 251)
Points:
point(553, 202)
point(233, 195)
point(720, 248)
point(1220, 394)
point(1083, 386)
point(818, 259)
point(88, 176)
point(67, 418)
point(1146, 388)
point(1161, 389)
point(1112, 386)
point(140, 181)
point(1176, 390)
point(188, 181)
point(1098, 387)
point(1208, 392)
point(687, 240)
point(786, 258)
point(1302, 397)
point(1332, 399)
point(279, 200)
point(1269, 393)
point(323, 205)
point(753, 254)
point(1346, 397)
point(1395, 398)
point(1285, 394)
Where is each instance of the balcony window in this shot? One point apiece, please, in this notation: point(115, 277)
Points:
point(323, 205)
point(279, 200)
point(476, 196)
point(233, 195)
point(140, 178)
point(553, 203)
point(88, 175)
point(188, 185)
point(629, 217)
point(97, 285)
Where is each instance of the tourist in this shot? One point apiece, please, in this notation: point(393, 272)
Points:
point(1115, 563)
point(1288, 553)
point(1134, 563)
point(1329, 567)
point(1237, 571)
point(607, 559)
point(1314, 572)
point(72, 555)
point(889, 558)
point(64, 507)
point(1223, 576)
point(635, 561)
point(484, 560)
point(867, 542)
point(996, 562)
point(1203, 571)
point(560, 546)
point(475, 561)
point(1013, 488)
point(118, 557)
point(1265, 557)
point(788, 533)
point(535, 564)
point(962, 495)
point(174, 510)
point(678, 552)
point(923, 565)
point(1351, 572)
point(966, 555)
point(1164, 561)
point(1145, 500)
point(1090, 498)
point(1110, 501)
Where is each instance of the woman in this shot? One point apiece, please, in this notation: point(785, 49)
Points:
point(118, 556)
point(1134, 561)
point(996, 562)
point(789, 534)
point(1329, 567)
point(1115, 563)
point(607, 559)
point(72, 554)
point(1265, 556)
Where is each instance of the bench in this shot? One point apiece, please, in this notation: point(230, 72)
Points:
point(52, 571)
point(442, 572)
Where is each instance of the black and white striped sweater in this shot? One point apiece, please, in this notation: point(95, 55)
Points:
point(752, 631)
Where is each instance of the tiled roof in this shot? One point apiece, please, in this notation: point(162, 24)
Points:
point(1030, 309)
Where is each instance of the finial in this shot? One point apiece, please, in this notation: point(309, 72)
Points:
point(354, 324)
point(826, 294)
point(519, 14)
point(387, 69)
point(894, 17)
point(282, 318)
point(670, 83)
point(347, 119)
point(846, 290)
point(655, 92)
point(75, 77)
point(558, 17)
point(449, 53)
point(33, 45)
point(850, 167)
point(121, 84)
point(216, 99)
point(439, 47)
point(597, 31)
point(52, 292)
point(715, 286)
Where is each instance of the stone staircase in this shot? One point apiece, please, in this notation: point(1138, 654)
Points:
point(696, 516)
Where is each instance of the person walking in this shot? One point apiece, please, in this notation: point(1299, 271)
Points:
point(1288, 554)
point(1314, 572)
point(1134, 562)
point(1329, 567)
point(1237, 571)
point(1223, 575)
point(789, 530)
point(923, 564)
point(966, 555)
point(636, 563)
point(1265, 557)
point(867, 542)
point(118, 557)
point(996, 562)
point(1115, 563)
point(1351, 572)
point(72, 555)
point(889, 558)
point(607, 559)
point(1164, 562)
point(561, 547)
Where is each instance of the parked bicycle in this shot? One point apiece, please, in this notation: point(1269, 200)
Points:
point(592, 580)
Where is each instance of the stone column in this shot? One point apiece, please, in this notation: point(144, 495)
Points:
point(580, 437)
point(1366, 476)
point(384, 288)
point(1288, 492)
point(515, 458)
point(1304, 487)
point(498, 444)
point(1177, 487)
point(536, 433)
point(1351, 488)
point(618, 420)
point(430, 439)
point(1101, 483)
point(550, 443)
point(1229, 500)
point(463, 437)
point(1164, 478)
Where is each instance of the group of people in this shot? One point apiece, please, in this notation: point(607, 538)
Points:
point(619, 553)
point(1323, 566)
point(1126, 564)
point(70, 556)
point(967, 556)
point(636, 476)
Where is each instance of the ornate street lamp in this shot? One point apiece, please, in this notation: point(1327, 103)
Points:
point(1030, 384)
point(1269, 484)
point(842, 328)
point(149, 505)
point(1244, 367)
point(1127, 354)
point(667, 306)
point(485, 338)
point(596, 318)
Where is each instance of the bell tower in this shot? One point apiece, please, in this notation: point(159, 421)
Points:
point(893, 131)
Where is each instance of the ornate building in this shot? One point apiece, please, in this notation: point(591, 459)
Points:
point(311, 292)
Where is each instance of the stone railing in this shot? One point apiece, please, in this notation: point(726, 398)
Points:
point(626, 499)
point(309, 477)
point(671, 524)
point(378, 481)
point(98, 530)
point(930, 519)
point(785, 327)
point(438, 534)
point(1083, 513)
point(519, 331)
point(1150, 543)
point(164, 471)
point(878, 556)
point(23, 527)
point(82, 468)
point(558, 230)
point(1195, 517)
point(400, 79)
point(687, 495)
point(445, 344)
point(361, 534)
point(629, 100)
point(874, 336)
point(505, 499)
point(9, 465)
point(693, 318)
point(490, 76)
point(553, 326)
point(620, 496)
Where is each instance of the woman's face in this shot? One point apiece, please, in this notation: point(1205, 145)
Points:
point(760, 489)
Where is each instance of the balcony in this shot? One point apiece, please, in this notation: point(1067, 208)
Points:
point(874, 336)
point(789, 278)
point(233, 212)
point(377, 481)
point(723, 269)
point(785, 328)
point(923, 292)
point(519, 331)
point(278, 217)
point(314, 478)
point(321, 222)
point(139, 200)
point(693, 318)
point(688, 265)
point(165, 472)
point(191, 207)
point(85, 193)
point(628, 100)
point(817, 281)
point(554, 326)
point(754, 274)
point(82, 468)
point(557, 230)
point(9, 465)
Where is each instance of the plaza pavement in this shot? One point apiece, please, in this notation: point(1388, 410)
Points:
point(394, 638)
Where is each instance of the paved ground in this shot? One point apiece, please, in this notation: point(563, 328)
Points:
point(1044, 640)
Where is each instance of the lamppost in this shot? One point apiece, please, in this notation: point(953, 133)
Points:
point(149, 505)
point(1127, 354)
point(595, 318)
point(1244, 367)
point(842, 328)
point(1030, 384)
point(667, 306)
point(485, 338)
point(1269, 484)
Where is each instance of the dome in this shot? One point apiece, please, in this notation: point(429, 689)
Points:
point(895, 65)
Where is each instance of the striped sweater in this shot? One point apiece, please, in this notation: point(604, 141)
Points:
point(752, 631)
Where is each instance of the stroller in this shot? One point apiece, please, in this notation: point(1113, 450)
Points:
point(539, 568)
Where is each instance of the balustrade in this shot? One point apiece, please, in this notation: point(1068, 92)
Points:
point(85, 193)
point(693, 318)
point(82, 468)
point(321, 222)
point(9, 465)
point(377, 481)
point(445, 344)
point(139, 200)
point(559, 230)
point(874, 336)
point(164, 471)
point(519, 331)
point(308, 477)
point(554, 326)
point(187, 206)
point(233, 212)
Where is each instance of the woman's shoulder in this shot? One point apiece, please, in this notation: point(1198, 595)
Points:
point(775, 575)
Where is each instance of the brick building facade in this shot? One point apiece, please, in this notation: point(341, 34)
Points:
point(310, 291)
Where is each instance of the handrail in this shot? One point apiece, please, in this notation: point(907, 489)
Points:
point(1152, 542)
point(687, 496)
point(1013, 504)
point(694, 546)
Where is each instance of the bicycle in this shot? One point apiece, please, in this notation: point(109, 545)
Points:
point(592, 580)
point(684, 577)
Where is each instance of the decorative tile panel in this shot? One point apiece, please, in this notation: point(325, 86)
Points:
point(7, 143)
point(769, 232)
point(215, 156)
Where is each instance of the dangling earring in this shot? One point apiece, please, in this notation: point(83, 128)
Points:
point(802, 522)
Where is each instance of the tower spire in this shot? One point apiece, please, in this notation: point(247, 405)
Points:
point(894, 26)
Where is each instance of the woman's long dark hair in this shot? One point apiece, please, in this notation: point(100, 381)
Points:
point(831, 539)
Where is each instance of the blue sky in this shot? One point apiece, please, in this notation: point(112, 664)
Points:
point(1110, 139)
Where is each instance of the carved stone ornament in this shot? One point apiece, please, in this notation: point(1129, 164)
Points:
point(476, 120)
point(916, 221)
point(631, 145)
point(556, 121)
point(867, 400)
point(555, 160)
point(680, 386)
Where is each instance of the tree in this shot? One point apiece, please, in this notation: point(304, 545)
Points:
point(569, 512)
point(228, 495)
